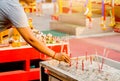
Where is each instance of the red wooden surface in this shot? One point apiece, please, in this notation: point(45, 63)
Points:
point(26, 55)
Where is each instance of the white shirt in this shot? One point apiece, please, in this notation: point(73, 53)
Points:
point(12, 13)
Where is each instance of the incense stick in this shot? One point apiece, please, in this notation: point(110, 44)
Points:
point(98, 61)
point(76, 62)
point(86, 55)
point(62, 46)
point(82, 65)
point(103, 59)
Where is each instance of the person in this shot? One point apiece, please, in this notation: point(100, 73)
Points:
point(12, 14)
point(39, 10)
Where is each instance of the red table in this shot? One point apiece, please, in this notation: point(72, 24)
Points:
point(25, 54)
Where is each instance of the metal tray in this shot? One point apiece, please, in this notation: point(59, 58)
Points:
point(66, 76)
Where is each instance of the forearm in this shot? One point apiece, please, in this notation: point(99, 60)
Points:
point(40, 46)
point(37, 44)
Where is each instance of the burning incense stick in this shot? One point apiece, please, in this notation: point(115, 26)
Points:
point(76, 62)
point(82, 65)
point(91, 59)
point(62, 46)
point(103, 59)
point(70, 62)
point(98, 61)
point(86, 55)
point(104, 54)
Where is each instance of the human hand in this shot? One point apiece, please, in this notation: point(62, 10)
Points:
point(62, 57)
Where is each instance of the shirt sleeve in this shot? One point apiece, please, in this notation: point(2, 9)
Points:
point(17, 16)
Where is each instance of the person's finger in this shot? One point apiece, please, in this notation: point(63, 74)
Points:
point(66, 58)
